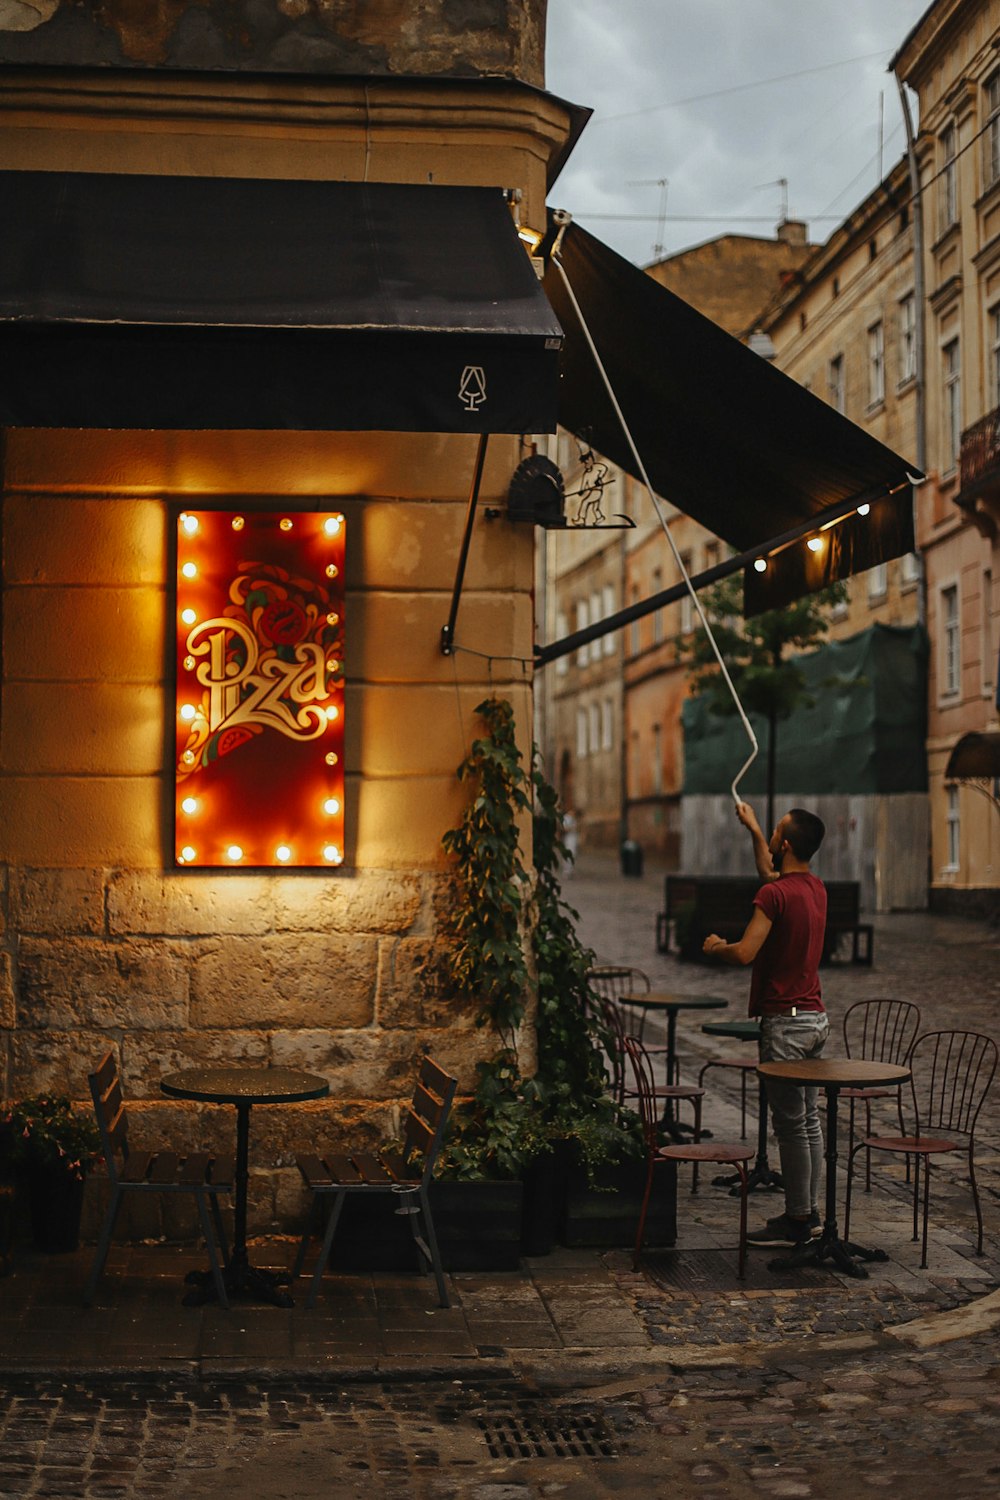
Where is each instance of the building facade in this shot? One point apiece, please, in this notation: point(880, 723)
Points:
point(105, 941)
point(950, 62)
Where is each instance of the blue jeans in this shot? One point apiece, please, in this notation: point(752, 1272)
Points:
point(794, 1109)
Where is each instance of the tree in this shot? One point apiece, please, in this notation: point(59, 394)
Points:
point(768, 683)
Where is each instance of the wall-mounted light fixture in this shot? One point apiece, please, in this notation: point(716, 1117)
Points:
point(260, 692)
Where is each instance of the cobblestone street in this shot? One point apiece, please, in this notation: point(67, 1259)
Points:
point(575, 1376)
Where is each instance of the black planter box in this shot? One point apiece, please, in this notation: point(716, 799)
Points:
point(478, 1228)
point(607, 1215)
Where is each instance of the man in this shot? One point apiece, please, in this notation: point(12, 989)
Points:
point(784, 942)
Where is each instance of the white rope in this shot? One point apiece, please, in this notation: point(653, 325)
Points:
point(755, 748)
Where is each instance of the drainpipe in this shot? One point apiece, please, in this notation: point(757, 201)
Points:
point(920, 324)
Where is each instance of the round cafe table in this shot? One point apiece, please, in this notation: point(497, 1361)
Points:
point(242, 1087)
point(832, 1075)
point(762, 1178)
point(663, 1003)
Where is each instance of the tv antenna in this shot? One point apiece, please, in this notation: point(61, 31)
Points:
point(782, 183)
point(662, 183)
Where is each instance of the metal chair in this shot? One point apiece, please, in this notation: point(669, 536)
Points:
point(745, 1066)
point(199, 1174)
point(669, 1093)
point(880, 1031)
point(951, 1074)
point(613, 982)
point(696, 1152)
point(335, 1174)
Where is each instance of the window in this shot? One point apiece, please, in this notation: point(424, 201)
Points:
point(595, 728)
point(687, 608)
point(609, 609)
point(658, 614)
point(948, 179)
point(634, 630)
point(953, 824)
point(581, 734)
point(991, 140)
point(607, 725)
point(595, 617)
point(995, 355)
point(989, 661)
point(562, 630)
point(876, 365)
point(835, 383)
point(910, 570)
point(878, 582)
point(907, 338)
point(713, 552)
point(952, 434)
point(950, 643)
point(582, 621)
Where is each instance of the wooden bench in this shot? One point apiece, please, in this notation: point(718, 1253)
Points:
point(696, 905)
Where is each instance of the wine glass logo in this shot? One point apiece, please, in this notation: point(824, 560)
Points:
point(472, 387)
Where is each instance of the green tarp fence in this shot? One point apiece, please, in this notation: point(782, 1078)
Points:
point(863, 733)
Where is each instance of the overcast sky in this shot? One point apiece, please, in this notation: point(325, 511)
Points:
point(645, 67)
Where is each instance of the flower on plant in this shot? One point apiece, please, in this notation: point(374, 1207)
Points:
point(45, 1131)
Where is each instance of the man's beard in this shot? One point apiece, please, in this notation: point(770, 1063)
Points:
point(778, 859)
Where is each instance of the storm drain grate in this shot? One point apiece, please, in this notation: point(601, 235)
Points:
point(548, 1435)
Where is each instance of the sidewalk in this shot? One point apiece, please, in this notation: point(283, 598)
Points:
point(581, 1316)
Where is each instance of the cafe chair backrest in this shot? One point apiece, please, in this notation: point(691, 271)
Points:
point(427, 1116)
point(645, 1088)
point(881, 1030)
point(612, 981)
point(109, 1107)
point(952, 1074)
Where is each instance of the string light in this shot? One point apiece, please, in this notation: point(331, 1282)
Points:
point(815, 543)
point(760, 564)
point(863, 510)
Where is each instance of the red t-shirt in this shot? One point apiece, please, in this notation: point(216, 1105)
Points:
point(786, 970)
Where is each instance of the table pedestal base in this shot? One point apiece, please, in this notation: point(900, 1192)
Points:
point(844, 1254)
point(241, 1281)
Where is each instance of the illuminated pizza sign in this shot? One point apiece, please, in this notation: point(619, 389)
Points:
point(259, 777)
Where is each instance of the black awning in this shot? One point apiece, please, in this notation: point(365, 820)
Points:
point(976, 757)
point(190, 302)
point(724, 436)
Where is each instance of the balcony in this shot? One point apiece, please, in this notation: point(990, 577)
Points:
point(979, 469)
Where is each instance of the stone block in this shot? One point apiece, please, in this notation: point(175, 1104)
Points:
point(148, 1056)
point(99, 634)
point(310, 980)
point(181, 1125)
point(58, 540)
point(410, 988)
point(104, 728)
point(70, 982)
point(416, 730)
point(213, 903)
point(380, 1065)
point(405, 544)
point(282, 1132)
point(7, 1008)
point(54, 1062)
point(359, 901)
point(398, 823)
point(81, 822)
point(57, 902)
point(396, 637)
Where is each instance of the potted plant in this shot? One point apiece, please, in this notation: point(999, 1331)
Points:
point(46, 1147)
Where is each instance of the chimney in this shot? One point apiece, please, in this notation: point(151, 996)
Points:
point(792, 232)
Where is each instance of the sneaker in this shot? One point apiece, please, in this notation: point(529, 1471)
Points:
point(815, 1223)
point(782, 1231)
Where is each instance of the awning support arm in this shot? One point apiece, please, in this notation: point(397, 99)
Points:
point(448, 631)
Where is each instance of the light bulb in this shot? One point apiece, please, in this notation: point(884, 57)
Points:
point(332, 525)
point(332, 570)
point(760, 564)
point(333, 713)
point(238, 523)
point(286, 524)
point(283, 853)
point(189, 616)
point(234, 852)
point(188, 711)
point(331, 806)
point(187, 854)
point(332, 618)
point(333, 665)
point(190, 805)
point(189, 570)
point(332, 758)
point(863, 510)
point(332, 854)
point(815, 543)
point(189, 523)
